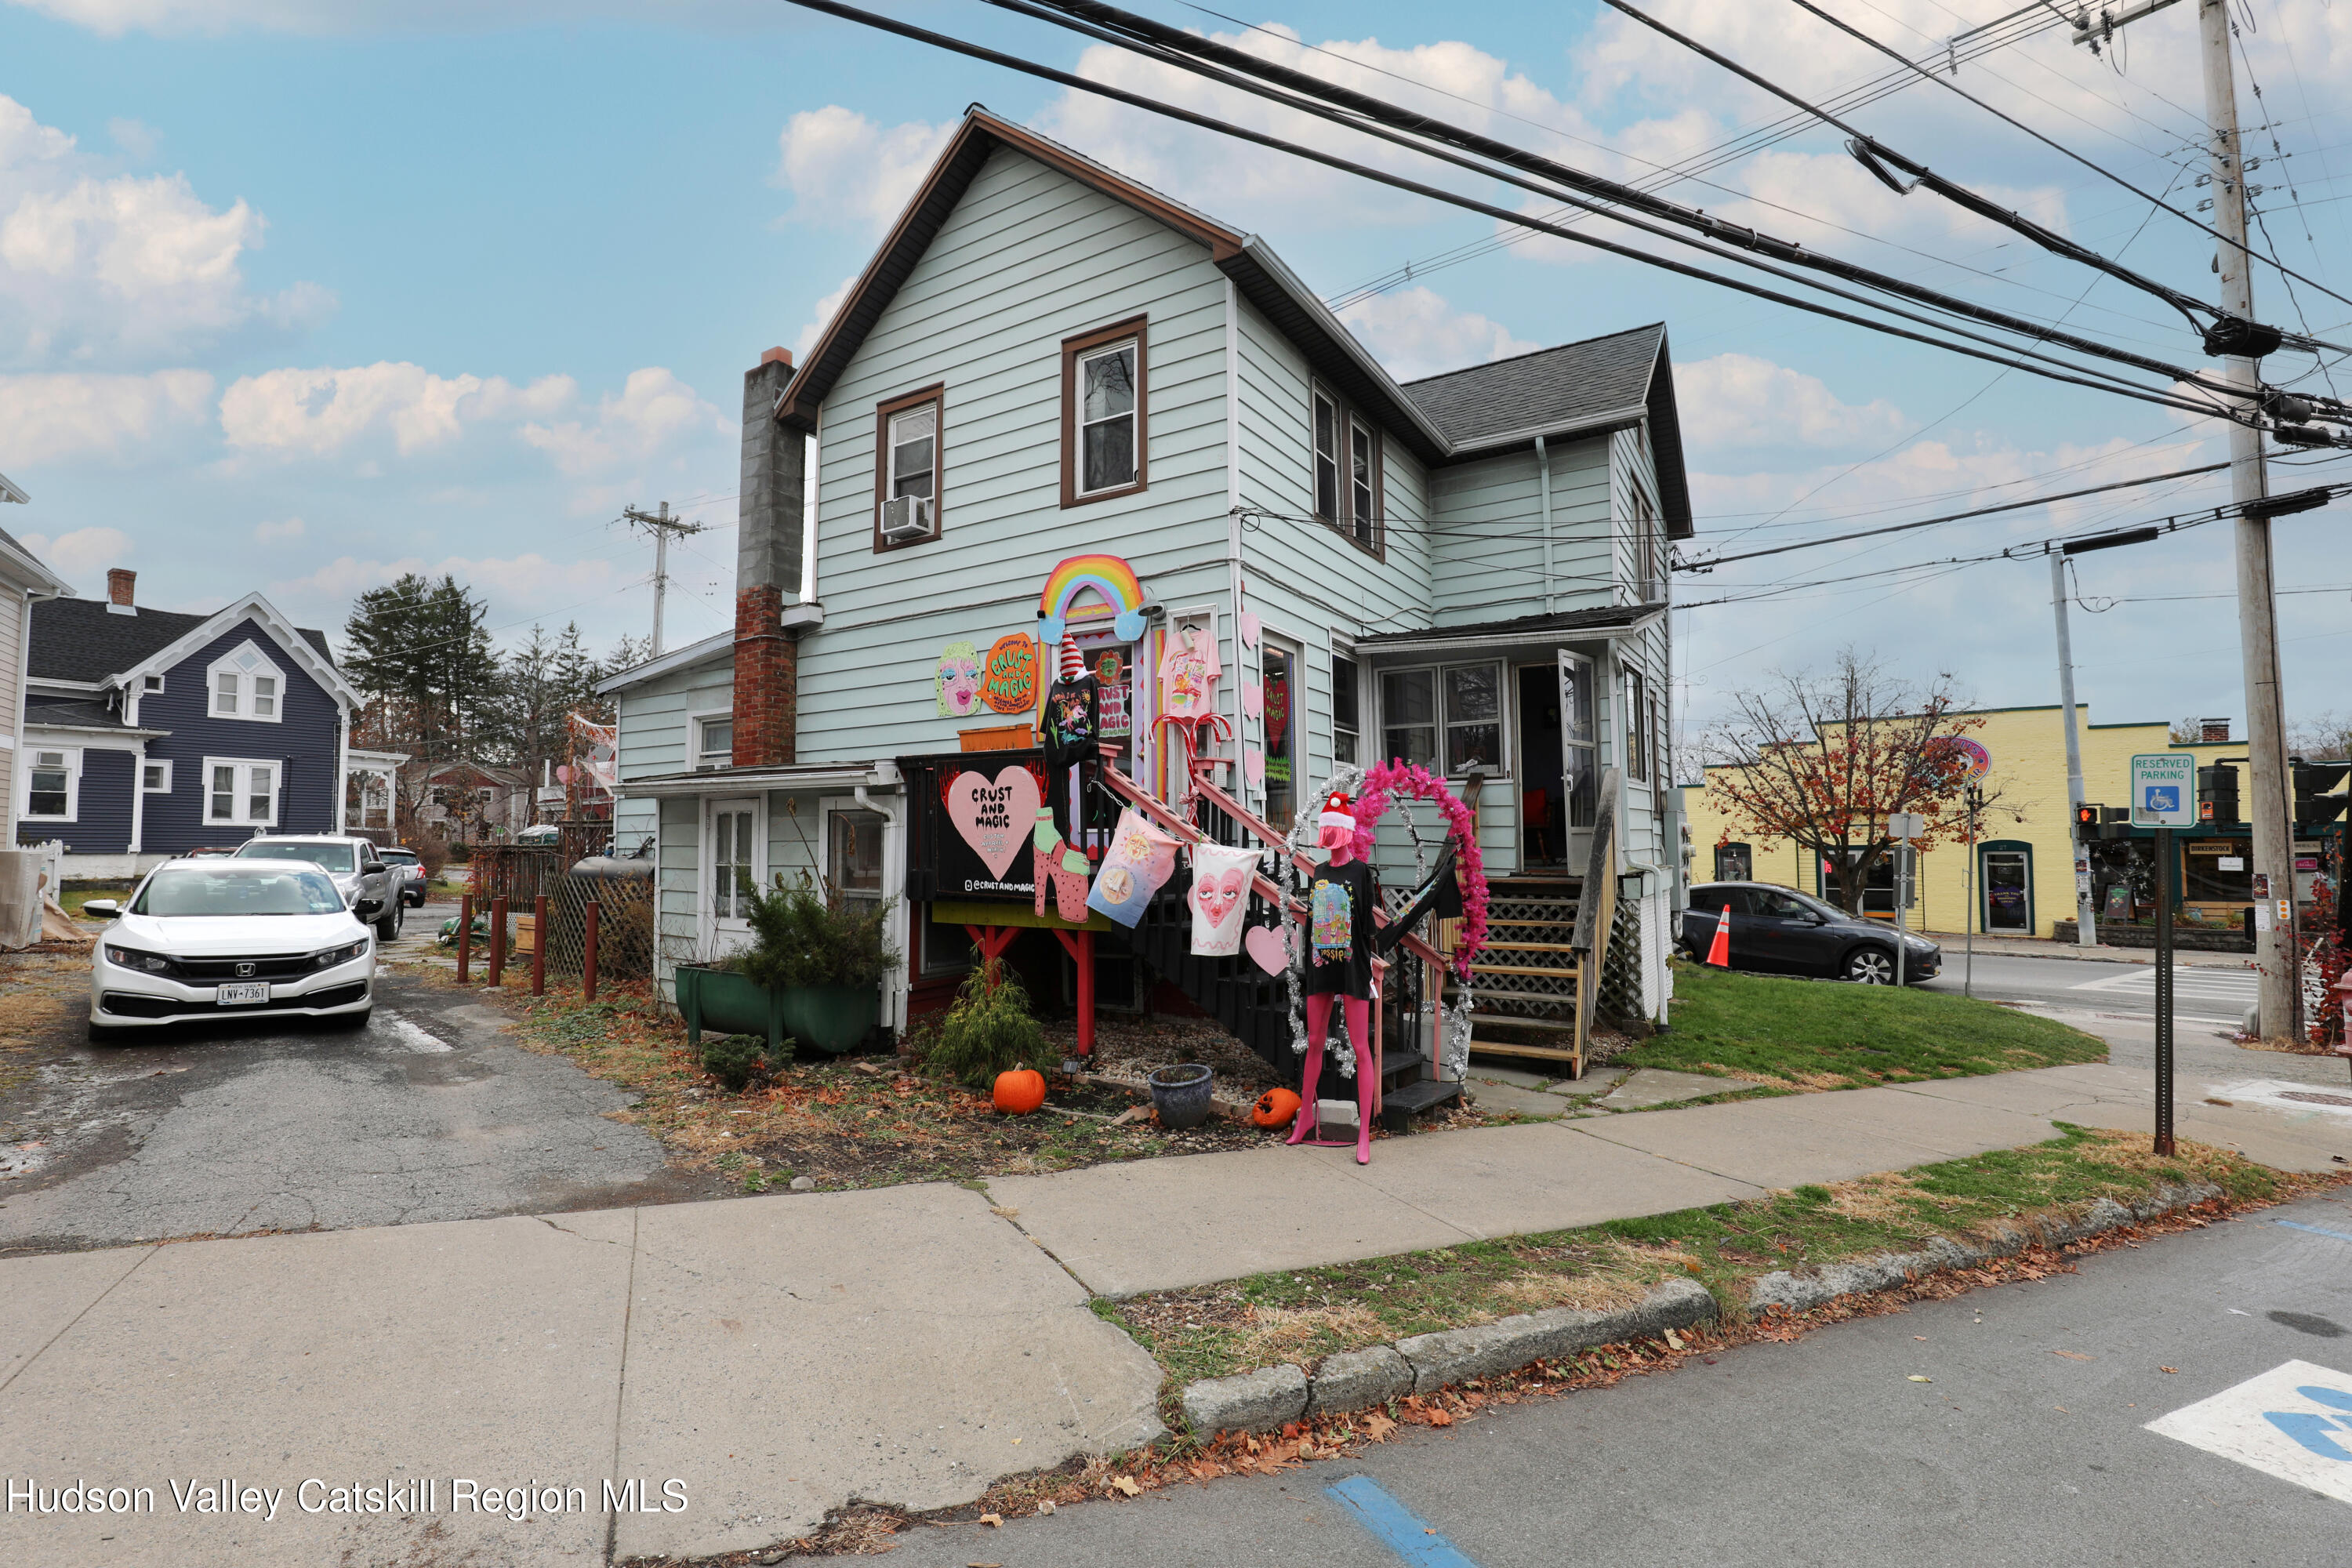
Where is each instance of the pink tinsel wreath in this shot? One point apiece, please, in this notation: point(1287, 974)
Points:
point(1385, 780)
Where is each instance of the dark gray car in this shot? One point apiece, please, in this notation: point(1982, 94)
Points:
point(1779, 930)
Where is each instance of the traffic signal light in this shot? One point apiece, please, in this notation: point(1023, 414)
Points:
point(2086, 823)
point(2312, 783)
point(2217, 795)
point(2115, 822)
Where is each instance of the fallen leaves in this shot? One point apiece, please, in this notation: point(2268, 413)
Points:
point(993, 1521)
point(2168, 1369)
point(1125, 1486)
point(2075, 1355)
point(1916, 1378)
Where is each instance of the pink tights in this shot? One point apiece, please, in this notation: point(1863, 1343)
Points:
point(1359, 1036)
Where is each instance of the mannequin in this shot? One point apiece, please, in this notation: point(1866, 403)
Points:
point(1340, 937)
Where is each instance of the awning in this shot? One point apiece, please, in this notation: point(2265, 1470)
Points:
point(1567, 625)
point(753, 781)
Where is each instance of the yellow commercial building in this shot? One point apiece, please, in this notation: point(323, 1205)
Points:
point(2024, 883)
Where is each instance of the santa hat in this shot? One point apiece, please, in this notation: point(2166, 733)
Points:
point(1074, 663)
point(1338, 811)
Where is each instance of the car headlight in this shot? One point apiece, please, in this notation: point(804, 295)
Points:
point(131, 958)
point(344, 954)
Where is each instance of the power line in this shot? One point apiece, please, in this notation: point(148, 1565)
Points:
point(663, 527)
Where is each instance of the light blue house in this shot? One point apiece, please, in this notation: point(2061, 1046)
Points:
point(1045, 360)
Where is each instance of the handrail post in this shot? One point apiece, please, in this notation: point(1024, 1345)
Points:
point(588, 957)
point(498, 938)
point(538, 945)
point(464, 939)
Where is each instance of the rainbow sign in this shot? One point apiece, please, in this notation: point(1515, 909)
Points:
point(1107, 575)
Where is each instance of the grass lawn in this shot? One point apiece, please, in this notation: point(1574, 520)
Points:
point(1793, 1034)
point(73, 899)
point(1296, 1316)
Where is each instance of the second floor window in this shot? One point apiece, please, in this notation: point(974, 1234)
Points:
point(246, 685)
point(1105, 434)
point(1347, 464)
point(906, 468)
point(1344, 724)
point(715, 742)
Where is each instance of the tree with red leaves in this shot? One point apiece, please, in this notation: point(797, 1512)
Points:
point(1821, 761)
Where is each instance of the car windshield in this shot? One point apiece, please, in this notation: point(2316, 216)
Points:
point(400, 857)
point(226, 890)
point(332, 857)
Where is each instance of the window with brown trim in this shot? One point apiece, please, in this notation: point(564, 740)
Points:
point(1347, 470)
point(1105, 425)
point(907, 467)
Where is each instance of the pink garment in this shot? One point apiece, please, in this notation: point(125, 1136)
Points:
point(1189, 672)
point(1220, 899)
point(1359, 1037)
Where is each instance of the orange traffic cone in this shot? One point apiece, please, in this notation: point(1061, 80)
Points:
point(1718, 952)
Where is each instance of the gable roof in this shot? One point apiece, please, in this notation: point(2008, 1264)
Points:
point(22, 562)
point(1598, 383)
point(85, 642)
point(9, 491)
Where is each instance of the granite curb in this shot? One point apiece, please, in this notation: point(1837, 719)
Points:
point(1263, 1400)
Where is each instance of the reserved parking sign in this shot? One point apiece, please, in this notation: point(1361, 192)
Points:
point(2164, 789)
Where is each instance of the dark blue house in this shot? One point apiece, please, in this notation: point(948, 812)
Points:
point(150, 732)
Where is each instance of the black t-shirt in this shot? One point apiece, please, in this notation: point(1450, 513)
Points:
point(1073, 721)
point(1340, 904)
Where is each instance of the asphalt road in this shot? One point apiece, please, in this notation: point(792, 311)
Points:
point(2205, 995)
point(428, 1113)
point(2028, 1447)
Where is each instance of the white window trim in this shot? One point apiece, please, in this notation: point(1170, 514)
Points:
point(693, 722)
point(72, 755)
point(1375, 677)
point(162, 763)
point(729, 933)
point(847, 806)
point(243, 766)
point(150, 684)
point(227, 665)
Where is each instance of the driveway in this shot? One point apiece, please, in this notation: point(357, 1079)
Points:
point(429, 1113)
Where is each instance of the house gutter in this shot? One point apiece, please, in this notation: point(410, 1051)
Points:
point(1543, 470)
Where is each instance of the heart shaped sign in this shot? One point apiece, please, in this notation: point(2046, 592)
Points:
point(1254, 764)
point(1269, 947)
point(1252, 699)
point(1249, 628)
point(994, 817)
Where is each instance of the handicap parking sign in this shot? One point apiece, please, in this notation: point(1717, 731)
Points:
point(2161, 798)
point(2293, 1422)
point(2161, 783)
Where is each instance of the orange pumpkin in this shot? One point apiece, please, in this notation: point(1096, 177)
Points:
point(1020, 1091)
point(1275, 1108)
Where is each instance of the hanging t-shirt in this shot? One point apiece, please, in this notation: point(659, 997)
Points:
point(1188, 674)
point(1339, 927)
point(1141, 860)
point(1220, 899)
point(1073, 722)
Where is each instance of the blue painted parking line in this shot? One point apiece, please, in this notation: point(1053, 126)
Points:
point(2315, 1230)
point(1400, 1529)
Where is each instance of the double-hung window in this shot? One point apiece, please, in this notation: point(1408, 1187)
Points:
point(1647, 586)
point(1454, 712)
point(1347, 470)
point(714, 742)
point(246, 685)
point(51, 786)
point(1637, 727)
point(1105, 447)
point(906, 438)
point(1344, 720)
point(241, 793)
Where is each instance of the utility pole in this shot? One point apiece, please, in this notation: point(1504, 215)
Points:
point(2268, 807)
point(661, 525)
point(2086, 931)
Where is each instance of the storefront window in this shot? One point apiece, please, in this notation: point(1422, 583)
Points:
point(1734, 863)
point(1281, 669)
point(2217, 872)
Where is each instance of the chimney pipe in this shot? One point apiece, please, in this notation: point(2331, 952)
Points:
point(118, 581)
point(767, 571)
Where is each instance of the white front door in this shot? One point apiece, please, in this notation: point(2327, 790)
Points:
point(733, 858)
point(1579, 747)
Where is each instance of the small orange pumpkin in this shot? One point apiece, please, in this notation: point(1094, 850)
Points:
point(1275, 1108)
point(1020, 1091)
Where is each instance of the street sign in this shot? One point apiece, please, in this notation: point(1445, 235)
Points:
point(2164, 790)
point(1906, 824)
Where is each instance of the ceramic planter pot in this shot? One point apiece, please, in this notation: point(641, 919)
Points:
point(1180, 1094)
point(832, 1018)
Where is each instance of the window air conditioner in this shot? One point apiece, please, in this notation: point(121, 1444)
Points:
point(905, 518)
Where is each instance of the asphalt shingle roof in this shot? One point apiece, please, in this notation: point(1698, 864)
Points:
point(76, 715)
point(1561, 621)
point(1574, 383)
point(81, 639)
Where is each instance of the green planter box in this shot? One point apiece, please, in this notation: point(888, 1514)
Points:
point(832, 1018)
point(727, 1004)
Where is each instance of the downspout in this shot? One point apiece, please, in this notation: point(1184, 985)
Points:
point(1234, 530)
point(1543, 470)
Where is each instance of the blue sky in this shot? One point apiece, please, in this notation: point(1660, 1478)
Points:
point(299, 296)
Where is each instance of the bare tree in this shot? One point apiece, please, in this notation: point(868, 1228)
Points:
point(1823, 759)
point(2325, 738)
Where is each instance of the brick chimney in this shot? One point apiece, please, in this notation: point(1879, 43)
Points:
point(2212, 730)
point(767, 571)
point(118, 583)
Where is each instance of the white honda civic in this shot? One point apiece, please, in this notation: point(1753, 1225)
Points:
point(231, 938)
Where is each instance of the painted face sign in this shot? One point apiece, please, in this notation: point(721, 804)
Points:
point(958, 680)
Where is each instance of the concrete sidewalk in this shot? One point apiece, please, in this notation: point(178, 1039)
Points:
point(780, 1356)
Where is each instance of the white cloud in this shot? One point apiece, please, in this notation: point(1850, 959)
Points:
point(525, 582)
point(843, 168)
point(1414, 332)
point(98, 268)
point(270, 532)
point(654, 411)
point(83, 551)
point(1752, 401)
point(319, 413)
point(54, 417)
point(805, 345)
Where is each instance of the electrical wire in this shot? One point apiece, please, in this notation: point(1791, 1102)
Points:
point(2079, 376)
